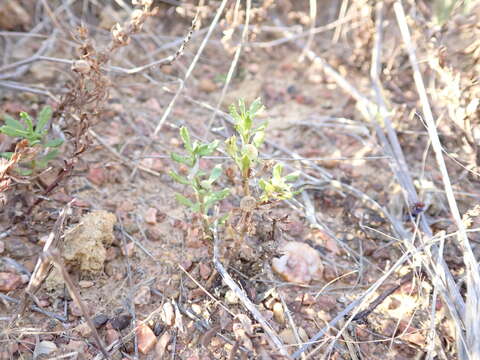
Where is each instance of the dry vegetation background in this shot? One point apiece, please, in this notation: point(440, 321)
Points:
point(376, 103)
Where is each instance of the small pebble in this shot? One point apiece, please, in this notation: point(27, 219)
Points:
point(151, 216)
point(120, 322)
point(231, 298)
point(278, 313)
point(207, 85)
point(146, 339)
point(9, 281)
point(168, 314)
point(100, 320)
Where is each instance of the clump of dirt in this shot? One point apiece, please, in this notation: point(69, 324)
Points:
point(84, 246)
point(85, 243)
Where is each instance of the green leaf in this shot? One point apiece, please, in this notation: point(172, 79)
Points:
point(215, 174)
point(215, 197)
point(262, 184)
point(231, 147)
point(241, 107)
point(13, 123)
point(14, 132)
point(245, 165)
point(181, 159)
point(251, 151)
point(28, 120)
point(259, 138)
point(206, 149)
point(43, 117)
point(255, 107)
point(292, 176)
point(54, 143)
point(277, 171)
point(185, 135)
point(233, 113)
point(178, 178)
point(184, 201)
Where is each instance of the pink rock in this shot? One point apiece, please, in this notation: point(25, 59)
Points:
point(96, 175)
point(151, 216)
point(9, 281)
point(300, 263)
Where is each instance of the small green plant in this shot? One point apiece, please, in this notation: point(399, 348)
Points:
point(200, 182)
point(36, 135)
point(243, 148)
point(278, 187)
point(251, 138)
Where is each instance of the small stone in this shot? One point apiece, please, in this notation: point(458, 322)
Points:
point(2, 247)
point(143, 296)
point(278, 313)
point(146, 339)
point(85, 284)
point(231, 298)
point(300, 263)
point(99, 320)
point(129, 249)
point(151, 216)
point(162, 343)
point(205, 271)
point(197, 309)
point(120, 322)
point(9, 281)
point(154, 233)
point(111, 336)
point(97, 175)
point(168, 314)
point(207, 85)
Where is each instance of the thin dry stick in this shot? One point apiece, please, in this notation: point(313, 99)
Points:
point(341, 14)
point(233, 65)
point(244, 298)
point(313, 21)
point(182, 84)
point(471, 316)
point(54, 257)
point(437, 271)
